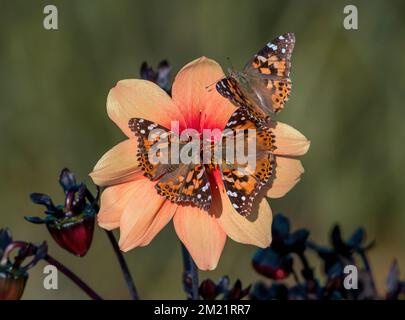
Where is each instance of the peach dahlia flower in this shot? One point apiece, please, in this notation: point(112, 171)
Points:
point(130, 201)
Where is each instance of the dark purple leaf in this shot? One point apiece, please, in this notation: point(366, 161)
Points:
point(280, 228)
point(36, 220)
point(357, 238)
point(393, 280)
point(43, 199)
point(5, 239)
point(67, 180)
point(163, 75)
point(223, 284)
point(147, 72)
point(296, 242)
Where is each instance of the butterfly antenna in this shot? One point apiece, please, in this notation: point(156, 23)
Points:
point(209, 87)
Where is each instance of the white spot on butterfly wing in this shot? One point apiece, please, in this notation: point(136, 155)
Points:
point(272, 46)
point(205, 188)
point(152, 126)
point(232, 194)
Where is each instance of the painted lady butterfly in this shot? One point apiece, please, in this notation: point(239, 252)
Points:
point(264, 85)
point(189, 183)
point(243, 182)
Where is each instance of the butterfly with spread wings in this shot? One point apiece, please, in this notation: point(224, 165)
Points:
point(189, 183)
point(264, 85)
point(243, 181)
point(178, 182)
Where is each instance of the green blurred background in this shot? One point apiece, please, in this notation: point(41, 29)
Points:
point(348, 98)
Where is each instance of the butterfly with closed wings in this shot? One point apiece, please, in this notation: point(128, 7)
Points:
point(264, 85)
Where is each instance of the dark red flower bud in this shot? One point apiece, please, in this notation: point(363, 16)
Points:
point(271, 264)
point(208, 290)
point(73, 234)
point(71, 224)
point(14, 267)
point(12, 285)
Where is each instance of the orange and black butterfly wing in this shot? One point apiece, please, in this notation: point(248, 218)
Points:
point(188, 183)
point(244, 181)
point(177, 182)
point(274, 60)
point(268, 73)
point(153, 144)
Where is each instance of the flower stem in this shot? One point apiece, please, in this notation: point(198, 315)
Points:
point(190, 275)
point(123, 265)
point(307, 271)
point(72, 276)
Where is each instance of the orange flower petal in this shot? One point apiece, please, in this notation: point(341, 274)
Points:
point(141, 99)
point(289, 141)
point(200, 233)
point(117, 165)
point(139, 214)
point(161, 219)
point(202, 107)
point(254, 229)
point(288, 173)
point(114, 199)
